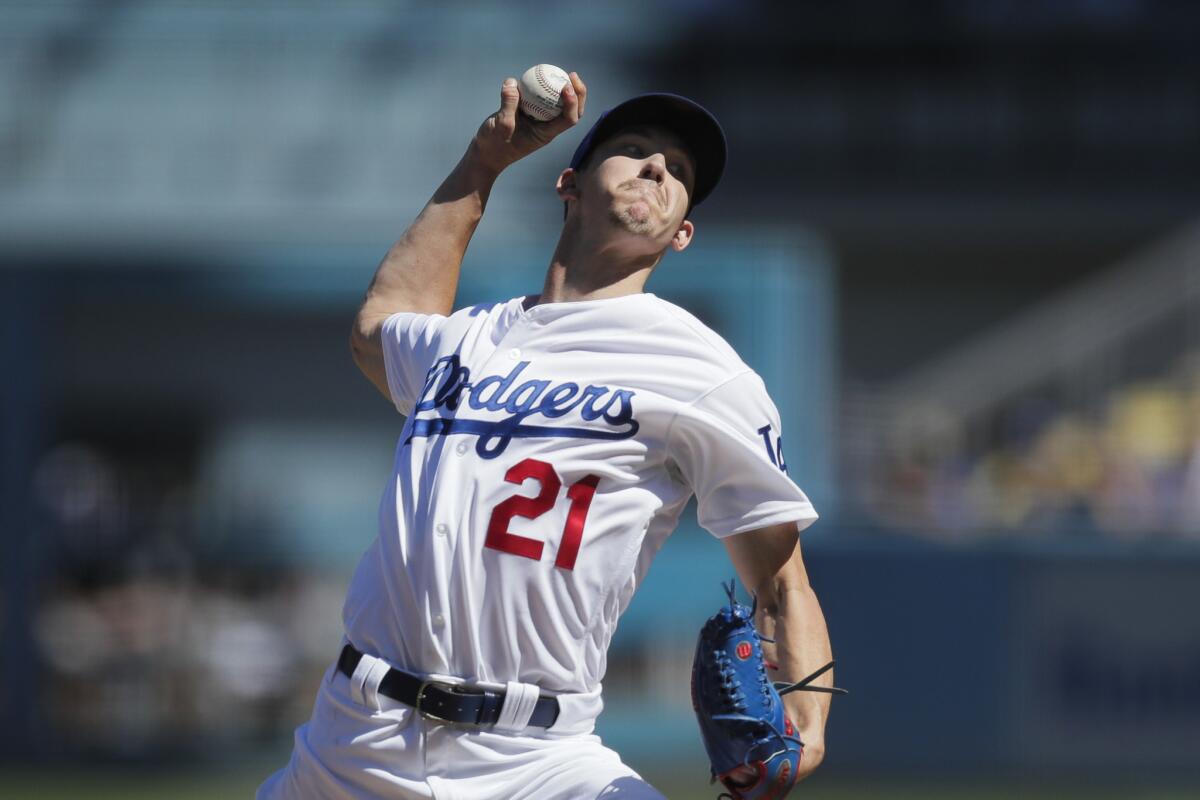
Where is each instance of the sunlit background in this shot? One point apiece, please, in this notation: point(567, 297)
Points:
point(959, 240)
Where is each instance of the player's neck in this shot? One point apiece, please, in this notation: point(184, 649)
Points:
point(583, 270)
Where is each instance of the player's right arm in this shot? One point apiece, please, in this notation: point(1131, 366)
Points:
point(420, 271)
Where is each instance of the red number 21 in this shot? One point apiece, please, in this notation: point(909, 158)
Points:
point(580, 494)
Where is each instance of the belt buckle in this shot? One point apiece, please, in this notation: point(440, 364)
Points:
point(420, 699)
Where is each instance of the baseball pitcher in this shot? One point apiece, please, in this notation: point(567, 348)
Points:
point(551, 443)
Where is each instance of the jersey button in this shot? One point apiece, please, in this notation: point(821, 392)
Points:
point(461, 449)
point(439, 621)
point(515, 354)
point(442, 529)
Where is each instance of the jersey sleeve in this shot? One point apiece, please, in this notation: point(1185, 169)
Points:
point(728, 447)
point(410, 344)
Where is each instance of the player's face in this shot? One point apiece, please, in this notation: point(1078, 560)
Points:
point(640, 180)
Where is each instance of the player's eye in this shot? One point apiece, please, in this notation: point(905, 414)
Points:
point(633, 150)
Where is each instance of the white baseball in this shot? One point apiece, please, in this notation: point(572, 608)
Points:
point(541, 88)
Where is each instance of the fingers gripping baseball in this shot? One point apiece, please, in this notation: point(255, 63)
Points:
point(508, 135)
point(574, 97)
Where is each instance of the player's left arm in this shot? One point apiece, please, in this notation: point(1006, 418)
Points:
point(769, 563)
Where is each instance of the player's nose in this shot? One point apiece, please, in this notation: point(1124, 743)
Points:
point(654, 168)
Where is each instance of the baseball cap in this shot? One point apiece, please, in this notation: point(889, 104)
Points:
point(687, 119)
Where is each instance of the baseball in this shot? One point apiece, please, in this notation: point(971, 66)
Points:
point(540, 87)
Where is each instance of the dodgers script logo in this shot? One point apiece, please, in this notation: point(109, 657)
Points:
point(448, 383)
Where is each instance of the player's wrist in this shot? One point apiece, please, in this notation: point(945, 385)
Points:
point(810, 727)
point(810, 759)
point(814, 742)
point(481, 166)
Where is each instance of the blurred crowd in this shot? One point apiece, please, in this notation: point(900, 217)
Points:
point(150, 644)
point(169, 664)
point(1125, 464)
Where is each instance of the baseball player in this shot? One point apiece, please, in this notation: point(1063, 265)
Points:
point(551, 443)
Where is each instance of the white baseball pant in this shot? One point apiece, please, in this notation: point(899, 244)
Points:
point(376, 747)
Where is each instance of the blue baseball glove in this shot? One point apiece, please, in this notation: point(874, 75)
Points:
point(742, 718)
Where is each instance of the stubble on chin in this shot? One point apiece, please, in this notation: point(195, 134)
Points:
point(623, 217)
point(636, 216)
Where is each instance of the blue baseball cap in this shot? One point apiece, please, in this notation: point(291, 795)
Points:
point(690, 121)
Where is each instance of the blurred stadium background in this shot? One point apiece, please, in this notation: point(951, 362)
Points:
point(958, 239)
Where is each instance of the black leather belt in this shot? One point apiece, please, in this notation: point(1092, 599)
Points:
point(446, 702)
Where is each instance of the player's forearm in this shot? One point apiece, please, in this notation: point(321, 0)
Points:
point(420, 271)
point(790, 613)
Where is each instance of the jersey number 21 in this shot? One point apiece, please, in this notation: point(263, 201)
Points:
point(580, 494)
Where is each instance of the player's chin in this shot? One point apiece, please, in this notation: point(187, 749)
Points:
point(636, 220)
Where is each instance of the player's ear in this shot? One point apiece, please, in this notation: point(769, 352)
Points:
point(683, 236)
point(567, 186)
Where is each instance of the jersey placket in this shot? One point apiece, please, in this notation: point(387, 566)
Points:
point(458, 466)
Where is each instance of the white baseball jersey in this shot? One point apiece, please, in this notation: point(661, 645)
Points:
point(547, 455)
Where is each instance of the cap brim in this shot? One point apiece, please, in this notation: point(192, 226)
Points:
point(691, 122)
